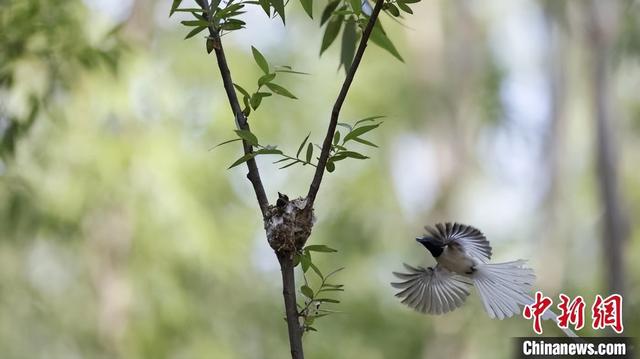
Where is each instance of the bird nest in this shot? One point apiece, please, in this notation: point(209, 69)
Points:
point(288, 224)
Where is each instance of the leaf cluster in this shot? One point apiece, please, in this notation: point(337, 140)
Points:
point(253, 100)
point(340, 147)
point(315, 299)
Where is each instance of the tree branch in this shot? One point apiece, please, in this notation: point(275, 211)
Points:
point(335, 113)
point(240, 119)
point(290, 306)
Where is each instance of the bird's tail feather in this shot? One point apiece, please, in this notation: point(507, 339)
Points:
point(503, 287)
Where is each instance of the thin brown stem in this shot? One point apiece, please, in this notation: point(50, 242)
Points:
point(335, 113)
point(254, 174)
point(290, 306)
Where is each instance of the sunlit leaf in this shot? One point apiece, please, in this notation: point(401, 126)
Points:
point(265, 6)
point(266, 78)
point(195, 31)
point(330, 33)
point(242, 90)
point(278, 6)
point(380, 38)
point(309, 152)
point(366, 119)
point(174, 6)
point(225, 142)
point(359, 131)
point(320, 248)
point(336, 138)
point(302, 145)
point(330, 166)
point(277, 89)
point(260, 60)
point(247, 136)
point(365, 142)
point(349, 40)
point(404, 7)
point(306, 291)
point(328, 10)
point(307, 5)
point(243, 159)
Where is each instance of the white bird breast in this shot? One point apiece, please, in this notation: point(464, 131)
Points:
point(455, 260)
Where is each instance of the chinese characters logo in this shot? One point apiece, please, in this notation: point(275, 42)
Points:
point(605, 312)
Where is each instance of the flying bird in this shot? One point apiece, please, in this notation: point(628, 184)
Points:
point(462, 254)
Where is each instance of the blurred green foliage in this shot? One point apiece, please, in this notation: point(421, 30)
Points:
point(122, 236)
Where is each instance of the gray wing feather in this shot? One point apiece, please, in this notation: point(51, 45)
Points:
point(473, 242)
point(431, 290)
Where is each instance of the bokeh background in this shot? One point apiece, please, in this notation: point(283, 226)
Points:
point(123, 236)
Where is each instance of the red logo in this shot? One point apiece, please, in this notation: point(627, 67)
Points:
point(607, 312)
point(535, 310)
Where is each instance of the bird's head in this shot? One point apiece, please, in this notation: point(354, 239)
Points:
point(434, 245)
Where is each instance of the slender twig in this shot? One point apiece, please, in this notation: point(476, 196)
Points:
point(240, 118)
point(290, 305)
point(335, 113)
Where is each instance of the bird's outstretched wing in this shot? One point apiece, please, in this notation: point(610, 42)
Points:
point(472, 241)
point(432, 290)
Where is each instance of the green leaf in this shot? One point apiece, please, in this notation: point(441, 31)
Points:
point(247, 136)
point(307, 5)
point(328, 10)
point(260, 60)
point(265, 79)
point(336, 138)
point(268, 151)
point(316, 270)
point(242, 90)
point(289, 71)
point(229, 11)
point(320, 248)
point(328, 300)
point(356, 5)
point(174, 6)
point(330, 33)
point(255, 101)
point(265, 6)
point(330, 166)
point(302, 145)
point(353, 154)
point(225, 142)
point(359, 132)
point(393, 10)
point(243, 159)
point(349, 39)
point(404, 7)
point(345, 125)
point(365, 142)
point(309, 152)
point(305, 261)
point(277, 89)
point(278, 6)
point(366, 119)
point(210, 45)
point(195, 31)
point(380, 38)
point(332, 274)
point(194, 23)
point(311, 329)
point(308, 292)
point(290, 164)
